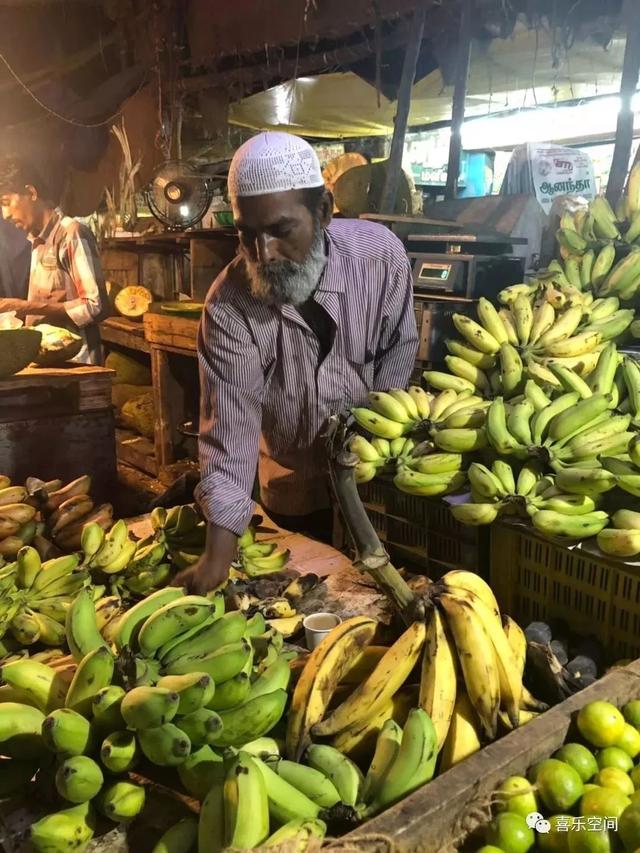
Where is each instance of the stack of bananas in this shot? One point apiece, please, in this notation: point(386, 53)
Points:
point(17, 519)
point(260, 558)
point(68, 509)
point(183, 532)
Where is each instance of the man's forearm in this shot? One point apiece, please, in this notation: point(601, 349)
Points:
point(53, 310)
point(220, 550)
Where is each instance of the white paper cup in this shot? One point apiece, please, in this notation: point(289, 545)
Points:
point(317, 626)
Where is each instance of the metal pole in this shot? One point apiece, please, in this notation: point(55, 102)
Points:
point(403, 104)
point(459, 96)
point(628, 83)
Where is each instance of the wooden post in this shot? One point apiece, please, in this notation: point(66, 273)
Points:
point(394, 165)
point(624, 129)
point(459, 96)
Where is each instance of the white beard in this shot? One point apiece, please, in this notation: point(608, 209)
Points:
point(289, 282)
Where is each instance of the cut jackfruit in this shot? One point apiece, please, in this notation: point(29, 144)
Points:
point(133, 301)
point(128, 370)
point(57, 346)
point(18, 348)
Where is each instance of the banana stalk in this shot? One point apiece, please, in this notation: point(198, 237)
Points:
point(370, 554)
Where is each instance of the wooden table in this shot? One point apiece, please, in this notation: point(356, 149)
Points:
point(58, 422)
point(124, 333)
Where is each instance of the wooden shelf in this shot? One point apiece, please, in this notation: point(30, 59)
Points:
point(167, 241)
point(124, 333)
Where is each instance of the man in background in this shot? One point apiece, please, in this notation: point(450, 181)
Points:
point(66, 283)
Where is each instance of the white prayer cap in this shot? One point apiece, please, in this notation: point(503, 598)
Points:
point(273, 162)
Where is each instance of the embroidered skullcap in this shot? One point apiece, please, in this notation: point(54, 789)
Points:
point(273, 163)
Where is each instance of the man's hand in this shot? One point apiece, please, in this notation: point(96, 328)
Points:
point(202, 577)
point(58, 295)
point(20, 306)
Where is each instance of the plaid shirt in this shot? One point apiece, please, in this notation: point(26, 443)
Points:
point(267, 391)
point(65, 257)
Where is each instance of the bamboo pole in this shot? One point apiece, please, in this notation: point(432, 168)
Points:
point(403, 104)
point(459, 97)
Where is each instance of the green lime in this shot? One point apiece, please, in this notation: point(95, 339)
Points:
point(516, 795)
point(559, 785)
point(557, 839)
point(604, 802)
point(589, 787)
point(532, 772)
point(613, 756)
point(613, 777)
point(510, 833)
point(635, 798)
point(634, 775)
point(630, 740)
point(629, 828)
point(580, 758)
point(600, 723)
point(631, 712)
point(586, 840)
point(489, 848)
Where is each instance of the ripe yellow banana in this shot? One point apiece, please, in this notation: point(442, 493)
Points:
point(438, 677)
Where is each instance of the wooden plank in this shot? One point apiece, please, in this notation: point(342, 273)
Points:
point(170, 330)
point(124, 333)
point(168, 403)
point(137, 451)
point(438, 816)
point(49, 391)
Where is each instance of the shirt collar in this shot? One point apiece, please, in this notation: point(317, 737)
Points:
point(332, 279)
point(42, 237)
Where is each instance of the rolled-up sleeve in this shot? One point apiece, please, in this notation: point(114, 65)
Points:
point(231, 384)
point(82, 262)
point(398, 344)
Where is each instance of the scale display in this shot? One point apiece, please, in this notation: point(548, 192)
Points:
point(432, 271)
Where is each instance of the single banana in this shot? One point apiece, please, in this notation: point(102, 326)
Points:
point(387, 746)
point(377, 424)
point(470, 354)
point(438, 677)
point(93, 673)
point(463, 738)
point(83, 635)
point(246, 805)
point(523, 316)
point(475, 334)
point(338, 769)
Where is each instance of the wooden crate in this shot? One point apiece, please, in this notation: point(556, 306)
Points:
point(66, 446)
point(49, 391)
point(535, 579)
point(439, 816)
point(171, 332)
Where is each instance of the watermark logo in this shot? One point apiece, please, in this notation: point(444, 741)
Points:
point(567, 823)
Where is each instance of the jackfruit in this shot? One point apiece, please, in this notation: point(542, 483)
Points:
point(133, 301)
point(128, 370)
point(122, 393)
point(18, 348)
point(58, 345)
point(138, 414)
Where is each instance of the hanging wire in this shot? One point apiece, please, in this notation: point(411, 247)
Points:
point(58, 115)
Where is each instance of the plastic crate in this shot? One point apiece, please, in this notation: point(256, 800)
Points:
point(420, 533)
point(535, 579)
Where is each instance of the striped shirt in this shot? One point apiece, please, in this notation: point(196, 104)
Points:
point(266, 391)
point(65, 257)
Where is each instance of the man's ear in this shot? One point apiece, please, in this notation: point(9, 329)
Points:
point(325, 208)
point(32, 192)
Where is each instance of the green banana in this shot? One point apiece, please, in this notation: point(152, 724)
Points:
point(94, 672)
point(68, 829)
point(174, 618)
point(297, 831)
point(105, 709)
point(36, 683)
point(130, 623)
point(387, 747)
point(20, 730)
point(147, 707)
point(78, 779)
point(121, 801)
point(572, 526)
point(222, 664)
point(285, 801)
point(65, 732)
point(202, 727)
point(340, 770)
point(230, 693)
point(200, 770)
point(195, 690)
point(314, 784)
point(179, 838)
point(229, 628)
point(252, 719)
point(166, 745)
point(119, 751)
point(246, 806)
point(81, 627)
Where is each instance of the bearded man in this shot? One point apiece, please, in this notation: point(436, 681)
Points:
point(306, 320)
